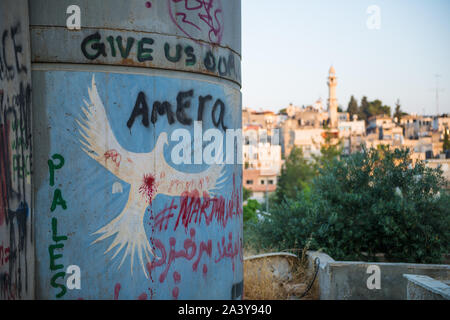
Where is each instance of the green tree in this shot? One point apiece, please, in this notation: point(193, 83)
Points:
point(376, 107)
point(246, 193)
point(352, 108)
point(375, 201)
point(446, 145)
point(296, 174)
point(250, 212)
point(363, 112)
point(330, 149)
point(398, 112)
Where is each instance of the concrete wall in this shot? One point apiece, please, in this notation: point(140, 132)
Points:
point(426, 288)
point(111, 197)
point(16, 234)
point(342, 280)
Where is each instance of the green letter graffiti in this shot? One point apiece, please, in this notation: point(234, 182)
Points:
point(58, 285)
point(124, 52)
point(177, 56)
point(58, 200)
point(55, 236)
point(52, 167)
point(144, 54)
point(53, 256)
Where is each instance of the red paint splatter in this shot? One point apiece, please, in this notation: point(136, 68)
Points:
point(114, 156)
point(116, 291)
point(151, 292)
point(148, 4)
point(176, 277)
point(205, 269)
point(148, 189)
point(175, 292)
point(143, 296)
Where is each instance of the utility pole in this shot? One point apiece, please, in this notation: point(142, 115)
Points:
point(437, 76)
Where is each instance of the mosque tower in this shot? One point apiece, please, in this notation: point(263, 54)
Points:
point(332, 100)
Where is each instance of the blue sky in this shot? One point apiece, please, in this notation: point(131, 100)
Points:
point(288, 47)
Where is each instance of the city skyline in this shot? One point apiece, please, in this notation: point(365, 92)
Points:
point(282, 65)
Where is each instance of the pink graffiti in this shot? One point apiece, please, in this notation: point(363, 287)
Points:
point(114, 156)
point(208, 12)
point(188, 252)
point(163, 217)
point(175, 292)
point(117, 287)
point(228, 251)
point(4, 255)
point(193, 208)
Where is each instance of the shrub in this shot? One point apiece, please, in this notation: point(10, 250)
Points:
point(371, 202)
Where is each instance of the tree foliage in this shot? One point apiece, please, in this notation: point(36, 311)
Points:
point(246, 193)
point(352, 108)
point(296, 174)
point(375, 201)
point(368, 109)
point(446, 145)
point(398, 114)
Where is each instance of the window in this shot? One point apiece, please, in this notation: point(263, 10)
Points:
point(270, 181)
point(262, 181)
point(249, 181)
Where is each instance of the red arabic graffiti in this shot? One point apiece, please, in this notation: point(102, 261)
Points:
point(193, 251)
point(188, 252)
point(192, 16)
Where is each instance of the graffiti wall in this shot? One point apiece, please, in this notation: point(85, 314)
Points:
point(138, 174)
point(16, 238)
point(136, 189)
point(193, 36)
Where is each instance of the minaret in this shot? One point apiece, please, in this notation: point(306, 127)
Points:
point(332, 100)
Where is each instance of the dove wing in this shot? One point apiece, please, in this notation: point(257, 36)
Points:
point(177, 182)
point(100, 143)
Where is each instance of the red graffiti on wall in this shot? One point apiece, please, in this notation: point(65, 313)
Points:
point(114, 156)
point(193, 208)
point(228, 251)
point(198, 15)
point(4, 255)
point(189, 252)
point(118, 287)
point(193, 251)
point(163, 217)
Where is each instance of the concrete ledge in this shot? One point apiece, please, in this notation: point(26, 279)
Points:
point(425, 288)
point(348, 280)
point(272, 254)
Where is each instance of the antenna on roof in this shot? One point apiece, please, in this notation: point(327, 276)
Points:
point(437, 76)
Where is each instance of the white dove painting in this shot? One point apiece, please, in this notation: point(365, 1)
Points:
point(148, 175)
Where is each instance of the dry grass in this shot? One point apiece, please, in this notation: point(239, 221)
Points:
point(261, 284)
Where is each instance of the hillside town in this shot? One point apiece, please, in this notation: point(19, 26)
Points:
point(269, 137)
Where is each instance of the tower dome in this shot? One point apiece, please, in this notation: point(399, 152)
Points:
point(332, 70)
